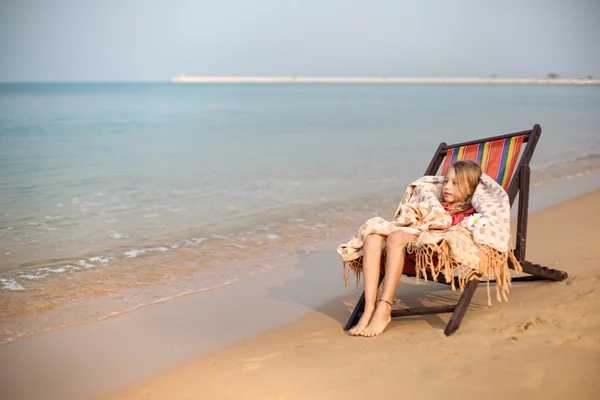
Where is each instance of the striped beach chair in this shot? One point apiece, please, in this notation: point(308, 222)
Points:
point(504, 159)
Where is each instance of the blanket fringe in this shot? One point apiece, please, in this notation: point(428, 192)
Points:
point(436, 258)
point(493, 265)
point(356, 267)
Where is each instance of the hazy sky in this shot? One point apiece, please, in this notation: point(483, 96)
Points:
point(98, 40)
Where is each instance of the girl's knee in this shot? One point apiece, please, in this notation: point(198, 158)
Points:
point(373, 240)
point(399, 239)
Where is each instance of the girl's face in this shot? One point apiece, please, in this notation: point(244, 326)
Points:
point(450, 189)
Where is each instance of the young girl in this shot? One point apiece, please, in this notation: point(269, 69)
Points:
point(459, 184)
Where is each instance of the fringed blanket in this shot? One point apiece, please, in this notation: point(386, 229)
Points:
point(476, 248)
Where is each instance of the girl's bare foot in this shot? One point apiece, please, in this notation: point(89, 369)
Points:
point(362, 322)
point(381, 318)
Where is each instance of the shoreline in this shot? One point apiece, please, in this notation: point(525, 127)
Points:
point(84, 357)
point(51, 315)
point(383, 80)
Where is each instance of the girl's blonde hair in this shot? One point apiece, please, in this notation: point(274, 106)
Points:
point(467, 174)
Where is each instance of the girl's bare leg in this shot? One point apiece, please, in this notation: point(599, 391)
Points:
point(394, 265)
point(372, 248)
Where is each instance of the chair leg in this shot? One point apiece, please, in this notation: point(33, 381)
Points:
point(461, 307)
point(544, 272)
point(356, 314)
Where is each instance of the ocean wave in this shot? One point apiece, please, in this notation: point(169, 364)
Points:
point(190, 242)
point(10, 284)
point(115, 235)
point(100, 259)
point(588, 157)
point(270, 231)
point(566, 168)
point(60, 270)
point(136, 252)
point(541, 179)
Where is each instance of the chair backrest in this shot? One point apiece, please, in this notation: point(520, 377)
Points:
point(497, 155)
point(497, 158)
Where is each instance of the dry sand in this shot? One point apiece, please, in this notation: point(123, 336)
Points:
point(543, 344)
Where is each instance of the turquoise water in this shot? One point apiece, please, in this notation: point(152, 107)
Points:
point(122, 179)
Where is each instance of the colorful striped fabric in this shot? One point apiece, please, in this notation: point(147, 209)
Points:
point(498, 158)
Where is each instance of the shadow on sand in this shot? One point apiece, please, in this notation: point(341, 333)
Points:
point(319, 286)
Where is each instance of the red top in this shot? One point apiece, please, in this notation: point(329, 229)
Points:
point(458, 217)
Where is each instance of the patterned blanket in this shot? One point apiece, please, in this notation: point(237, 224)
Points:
point(476, 248)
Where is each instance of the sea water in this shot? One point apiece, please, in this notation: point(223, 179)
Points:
point(118, 195)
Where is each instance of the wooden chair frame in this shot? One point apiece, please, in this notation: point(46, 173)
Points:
point(519, 185)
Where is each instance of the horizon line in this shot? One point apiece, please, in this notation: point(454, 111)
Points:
point(316, 79)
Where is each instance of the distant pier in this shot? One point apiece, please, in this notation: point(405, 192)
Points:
point(382, 80)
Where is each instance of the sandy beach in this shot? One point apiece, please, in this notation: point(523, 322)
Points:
point(383, 80)
point(545, 343)
point(189, 191)
point(279, 336)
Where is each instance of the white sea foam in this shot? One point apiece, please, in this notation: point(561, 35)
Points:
point(116, 235)
point(60, 270)
point(10, 284)
point(136, 252)
point(214, 236)
point(272, 236)
point(85, 264)
point(33, 277)
point(100, 259)
point(161, 249)
point(194, 241)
